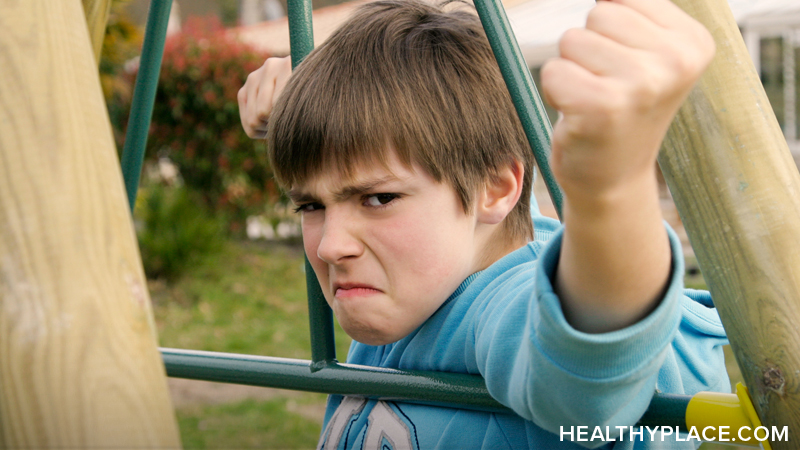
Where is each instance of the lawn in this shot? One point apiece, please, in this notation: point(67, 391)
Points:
point(250, 298)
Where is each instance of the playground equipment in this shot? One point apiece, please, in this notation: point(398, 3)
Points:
point(68, 252)
point(79, 366)
point(723, 158)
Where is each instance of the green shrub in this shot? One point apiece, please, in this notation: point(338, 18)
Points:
point(175, 231)
point(196, 121)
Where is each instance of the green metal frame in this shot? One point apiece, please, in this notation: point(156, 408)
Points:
point(519, 82)
point(323, 373)
point(320, 316)
point(144, 96)
point(454, 390)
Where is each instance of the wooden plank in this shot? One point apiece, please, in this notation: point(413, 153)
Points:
point(79, 365)
point(737, 190)
point(96, 12)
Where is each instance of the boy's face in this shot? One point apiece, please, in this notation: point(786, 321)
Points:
point(388, 246)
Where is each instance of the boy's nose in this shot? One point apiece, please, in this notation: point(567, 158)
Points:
point(338, 242)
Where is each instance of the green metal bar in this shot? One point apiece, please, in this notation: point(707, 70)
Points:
point(666, 410)
point(144, 96)
point(320, 316)
point(439, 388)
point(301, 33)
point(435, 388)
point(522, 89)
point(320, 320)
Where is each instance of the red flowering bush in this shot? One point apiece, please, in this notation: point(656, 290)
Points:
point(196, 121)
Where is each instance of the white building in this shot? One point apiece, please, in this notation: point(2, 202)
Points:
point(763, 20)
point(538, 25)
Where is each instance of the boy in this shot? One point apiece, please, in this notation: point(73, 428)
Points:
point(398, 143)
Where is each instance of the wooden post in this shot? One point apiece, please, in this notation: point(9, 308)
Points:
point(96, 12)
point(79, 365)
point(737, 189)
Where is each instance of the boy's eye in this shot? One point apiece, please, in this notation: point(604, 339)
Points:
point(379, 199)
point(308, 207)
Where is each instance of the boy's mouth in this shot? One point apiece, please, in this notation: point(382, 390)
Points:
point(347, 290)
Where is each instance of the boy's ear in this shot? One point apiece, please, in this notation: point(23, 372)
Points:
point(500, 194)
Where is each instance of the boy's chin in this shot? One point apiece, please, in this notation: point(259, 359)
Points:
point(373, 337)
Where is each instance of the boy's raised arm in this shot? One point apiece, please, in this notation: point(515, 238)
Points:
point(617, 84)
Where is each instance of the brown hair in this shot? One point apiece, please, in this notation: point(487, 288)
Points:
point(418, 77)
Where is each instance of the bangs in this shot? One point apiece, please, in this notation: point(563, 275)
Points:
point(347, 123)
point(393, 75)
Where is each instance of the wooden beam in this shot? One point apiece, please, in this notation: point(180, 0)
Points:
point(79, 365)
point(96, 12)
point(737, 190)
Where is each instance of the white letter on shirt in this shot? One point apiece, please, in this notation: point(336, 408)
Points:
point(384, 424)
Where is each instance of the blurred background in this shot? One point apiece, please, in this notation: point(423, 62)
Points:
point(220, 245)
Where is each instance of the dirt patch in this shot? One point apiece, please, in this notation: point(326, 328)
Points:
point(188, 393)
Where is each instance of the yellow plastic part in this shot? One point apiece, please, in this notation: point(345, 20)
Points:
point(747, 405)
point(735, 411)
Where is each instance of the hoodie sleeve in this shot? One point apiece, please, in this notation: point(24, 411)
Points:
point(537, 364)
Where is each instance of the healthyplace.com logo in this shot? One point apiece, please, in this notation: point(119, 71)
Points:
point(710, 433)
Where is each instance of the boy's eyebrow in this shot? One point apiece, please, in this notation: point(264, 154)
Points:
point(298, 196)
point(361, 188)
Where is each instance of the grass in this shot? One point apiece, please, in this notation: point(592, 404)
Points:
point(251, 299)
point(249, 424)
